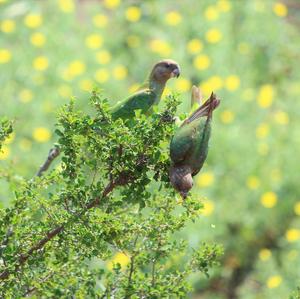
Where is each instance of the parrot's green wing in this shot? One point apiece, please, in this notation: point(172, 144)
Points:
point(142, 100)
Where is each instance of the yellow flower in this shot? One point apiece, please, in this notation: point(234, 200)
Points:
point(194, 46)
point(133, 41)
point(280, 9)
point(227, 116)
point(211, 13)
point(100, 20)
point(4, 152)
point(224, 5)
point(213, 83)
point(161, 47)
point(103, 57)
point(183, 85)
point(111, 4)
point(173, 18)
point(297, 208)
point(213, 35)
point(33, 20)
point(292, 235)
point(268, 199)
point(263, 148)
point(253, 182)
point(274, 281)
point(26, 95)
point(65, 91)
point(94, 41)
point(133, 14)
point(41, 134)
point(86, 85)
point(265, 96)
point(133, 88)
point(262, 130)
point(205, 179)
point(232, 82)
point(208, 208)
point(66, 6)
point(41, 63)
point(38, 39)
point(119, 258)
point(101, 75)
point(243, 48)
point(10, 138)
point(25, 145)
point(8, 26)
point(202, 62)
point(120, 72)
point(265, 254)
point(281, 117)
point(76, 68)
point(5, 56)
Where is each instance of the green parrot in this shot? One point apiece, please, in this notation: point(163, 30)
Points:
point(189, 145)
point(146, 98)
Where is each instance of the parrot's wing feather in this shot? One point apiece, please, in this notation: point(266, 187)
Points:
point(142, 100)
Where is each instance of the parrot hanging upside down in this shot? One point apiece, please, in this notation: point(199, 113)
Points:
point(189, 145)
point(144, 99)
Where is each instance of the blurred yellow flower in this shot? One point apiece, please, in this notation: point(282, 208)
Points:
point(161, 47)
point(243, 48)
point(5, 56)
point(65, 91)
point(268, 199)
point(292, 234)
point(262, 130)
point(281, 117)
point(133, 88)
point(120, 72)
point(263, 148)
point(201, 62)
point(103, 57)
point(166, 92)
point(213, 35)
point(8, 26)
point(38, 39)
point(232, 82)
point(274, 281)
point(227, 116)
point(133, 14)
point(94, 41)
point(33, 20)
point(205, 179)
point(119, 258)
point(208, 208)
point(41, 134)
point(194, 46)
point(76, 68)
point(297, 208)
point(280, 9)
point(133, 41)
point(253, 182)
point(3, 1)
point(111, 4)
point(10, 138)
point(4, 152)
point(86, 85)
point(25, 95)
point(173, 18)
point(100, 20)
point(25, 145)
point(223, 5)
point(66, 6)
point(216, 83)
point(265, 254)
point(41, 63)
point(183, 85)
point(211, 13)
point(101, 75)
point(265, 96)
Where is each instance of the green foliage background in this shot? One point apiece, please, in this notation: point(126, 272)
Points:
point(246, 51)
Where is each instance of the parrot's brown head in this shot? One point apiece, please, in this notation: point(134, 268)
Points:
point(164, 70)
point(181, 179)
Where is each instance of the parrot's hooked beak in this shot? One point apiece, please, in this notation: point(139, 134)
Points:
point(175, 73)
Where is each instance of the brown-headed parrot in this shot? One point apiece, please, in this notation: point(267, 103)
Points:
point(189, 146)
point(146, 98)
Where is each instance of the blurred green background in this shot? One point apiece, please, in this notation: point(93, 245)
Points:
point(245, 51)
